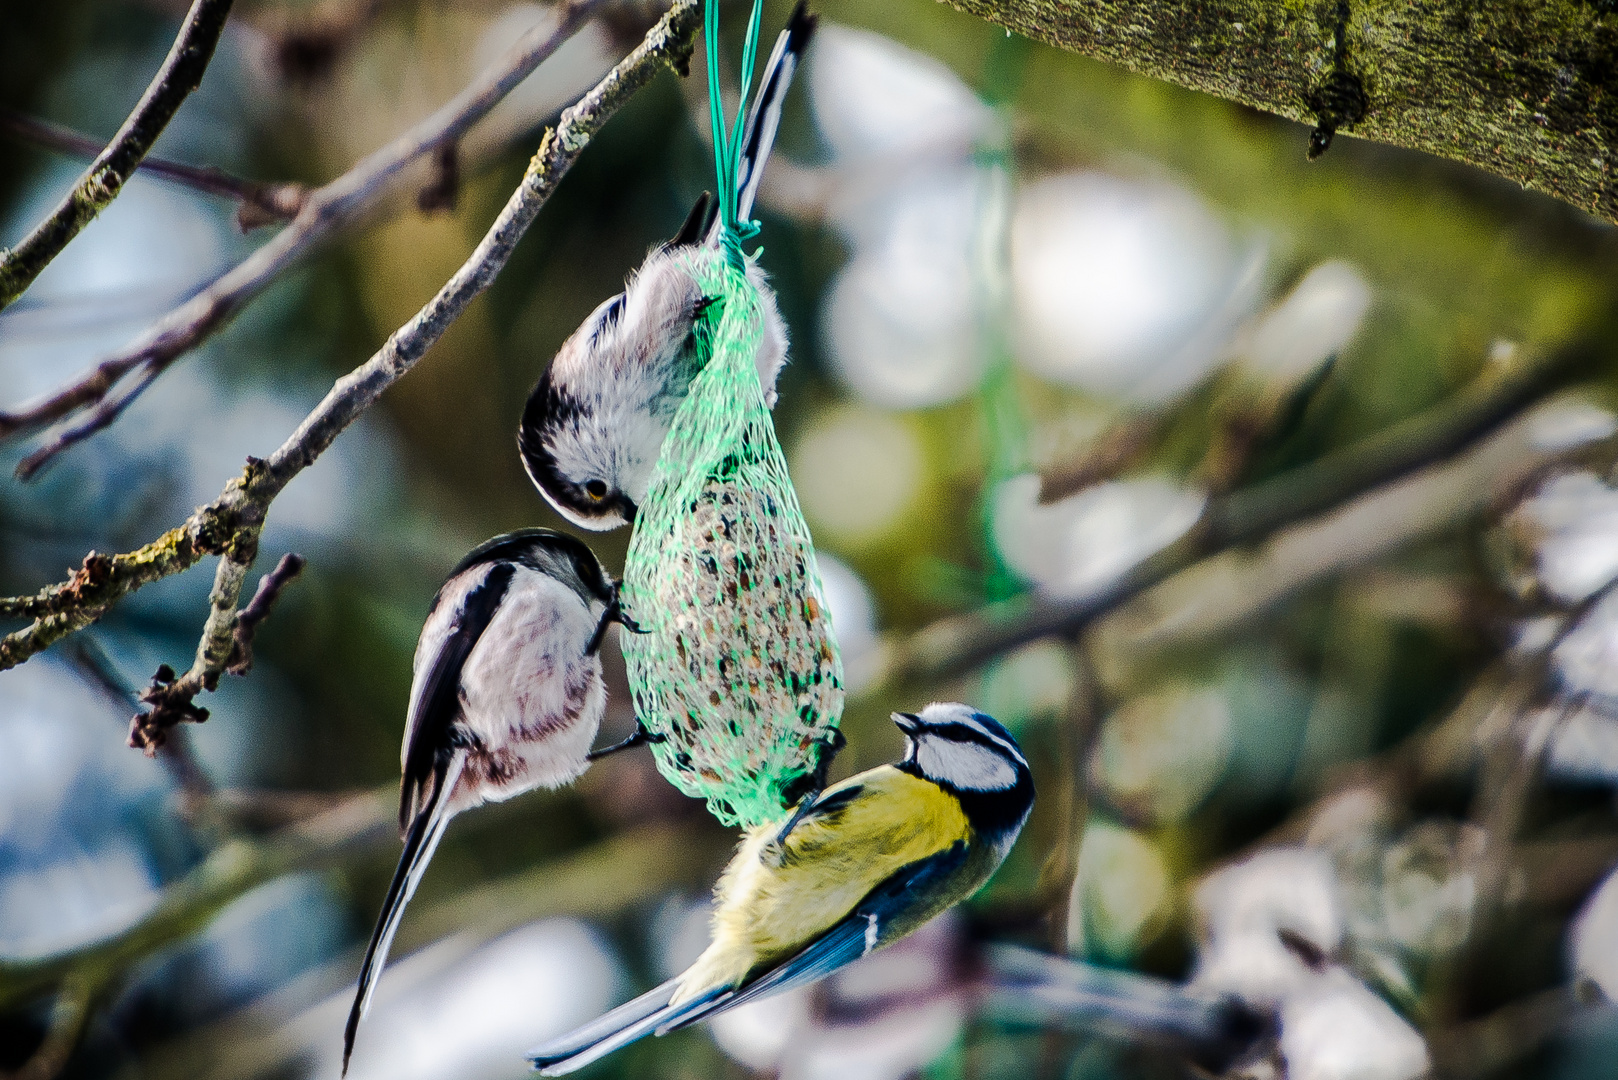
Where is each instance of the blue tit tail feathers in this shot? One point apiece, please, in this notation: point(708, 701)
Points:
point(765, 117)
point(635, 1019)
point(420, 842)
point(890, 910)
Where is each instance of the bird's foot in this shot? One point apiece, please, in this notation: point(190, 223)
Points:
point(817, 784)
point(640, 737)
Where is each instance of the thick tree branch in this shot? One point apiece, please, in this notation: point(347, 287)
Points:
point(230, 525)
point(1520, 88)
point(180, 74)
point(261, 203)
point(323, 211)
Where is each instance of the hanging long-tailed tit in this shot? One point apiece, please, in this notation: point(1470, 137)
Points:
point(594, 425)
point(876, 856)
point(507, 696)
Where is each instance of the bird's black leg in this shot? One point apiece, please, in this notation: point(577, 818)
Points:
point(613, 614)
point(640, 736)
point(817, 784)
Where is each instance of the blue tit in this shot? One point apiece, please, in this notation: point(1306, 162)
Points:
point(595, 423)
point(507, 696)
point(874, 858)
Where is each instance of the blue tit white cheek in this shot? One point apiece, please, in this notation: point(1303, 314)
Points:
point(963, 765)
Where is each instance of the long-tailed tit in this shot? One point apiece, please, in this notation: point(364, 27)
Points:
point(594, 424)
point(507, 696)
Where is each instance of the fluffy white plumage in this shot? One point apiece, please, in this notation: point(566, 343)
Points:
point(527, 686)
point(596, 420)
point(506, 696)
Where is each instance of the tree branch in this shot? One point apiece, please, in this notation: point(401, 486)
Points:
point(360, 824)
point(264, 598)
point(261, 203)
point(180, 74)
point(324, 210)
point(1220, 593)
point(953, 645)
point(1522, 89)
point(70, 1012)
point(230, 525)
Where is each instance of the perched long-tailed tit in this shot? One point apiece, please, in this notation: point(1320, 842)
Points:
point(594, 424)
point(507, 697)
point(876, 857)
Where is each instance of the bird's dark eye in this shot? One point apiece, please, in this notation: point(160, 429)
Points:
point(596, 489)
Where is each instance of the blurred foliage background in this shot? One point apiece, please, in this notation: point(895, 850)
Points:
point(1007, 270)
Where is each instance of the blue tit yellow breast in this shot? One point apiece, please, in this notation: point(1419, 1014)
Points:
point(772, 901)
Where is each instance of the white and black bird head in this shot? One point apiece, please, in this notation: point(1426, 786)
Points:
point(972, 755)
point(563, 558)
point(595, 422)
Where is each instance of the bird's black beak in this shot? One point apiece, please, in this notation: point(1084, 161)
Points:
point(627, 507)
point(909, 723)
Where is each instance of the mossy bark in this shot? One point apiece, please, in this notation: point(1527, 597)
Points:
point(1527, 89)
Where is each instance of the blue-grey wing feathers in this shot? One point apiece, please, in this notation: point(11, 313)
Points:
point(630, 1021)
point(861, 931)
point(858, 933)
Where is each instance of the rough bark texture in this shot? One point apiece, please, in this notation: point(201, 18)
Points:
point(230, 525)
point(180, 74)
point(1527, 89)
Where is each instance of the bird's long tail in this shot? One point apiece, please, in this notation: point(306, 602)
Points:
point(758, 138)
point(420, 842)
point(635, 1019)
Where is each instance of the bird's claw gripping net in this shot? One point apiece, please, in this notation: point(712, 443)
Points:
point(738, 666)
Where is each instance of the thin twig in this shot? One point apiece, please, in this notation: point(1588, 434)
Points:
point(1221, 593)
point(230, 525)
point(97, 667)
point(173, 699)
point(261, 203)
point(264, 598)
point(180, 74)
point(324, 210)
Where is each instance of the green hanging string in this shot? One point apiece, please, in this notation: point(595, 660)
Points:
point(727, 142)
point(737, 666)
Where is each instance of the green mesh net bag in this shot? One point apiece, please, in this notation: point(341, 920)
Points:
point(738, 667)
